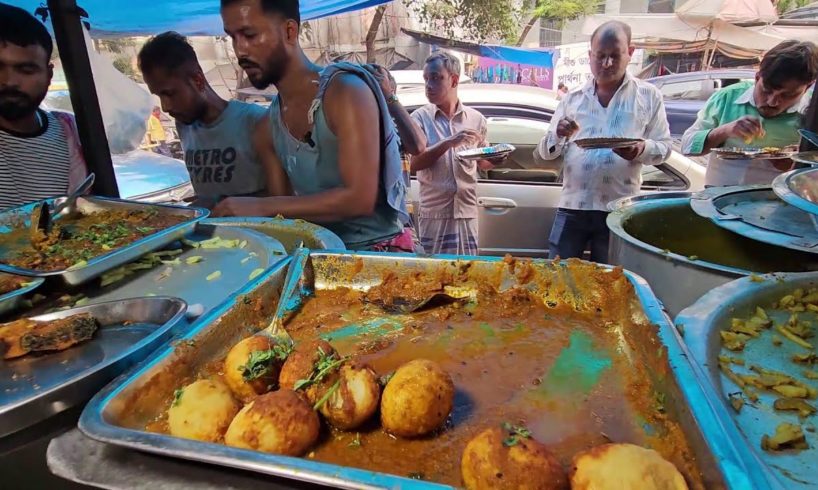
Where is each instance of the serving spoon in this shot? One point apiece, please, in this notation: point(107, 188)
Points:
point(42, 222)
point(275, 330)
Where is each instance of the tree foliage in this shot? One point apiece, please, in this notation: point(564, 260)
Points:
point(787, 5)
point(473, 20)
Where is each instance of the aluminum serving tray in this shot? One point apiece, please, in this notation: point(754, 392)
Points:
point(178, 278)
point(11, 300)
point(112, 416)
point(103, 263)
point(35, 387)
point(701, 324)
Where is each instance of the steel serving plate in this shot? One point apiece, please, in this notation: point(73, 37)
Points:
point(37, 386)
point(487, 152)
point(799, 188)
point(754, 153)
point(756, 212)
point(702, 323)
point(290, 232)
point(104, 418)
point(103, 263)
point(11, 300)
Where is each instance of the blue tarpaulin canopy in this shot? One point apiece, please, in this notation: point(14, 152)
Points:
point(117, 18)
point(510, 54)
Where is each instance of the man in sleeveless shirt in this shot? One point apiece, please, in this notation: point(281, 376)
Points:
point(330, 128)
point(218, 137)
point(40, 153)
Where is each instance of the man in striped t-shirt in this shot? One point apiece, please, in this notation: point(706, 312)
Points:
point(40, 154)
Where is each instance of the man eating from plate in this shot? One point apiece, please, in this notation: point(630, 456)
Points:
point(447, 218)
point(613, 104)
point(761, 114)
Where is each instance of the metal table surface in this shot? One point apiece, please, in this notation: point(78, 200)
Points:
point(81, 460)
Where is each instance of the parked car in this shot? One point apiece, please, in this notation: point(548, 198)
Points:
point(686, 93)
point(409, 79)
point(519, 199)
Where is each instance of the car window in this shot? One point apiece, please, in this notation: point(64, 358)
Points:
point(688, 90)
point(661, 176)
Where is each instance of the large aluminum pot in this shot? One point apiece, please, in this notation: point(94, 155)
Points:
point(682, 255)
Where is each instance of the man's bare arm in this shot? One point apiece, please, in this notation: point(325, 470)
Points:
point(353, 116)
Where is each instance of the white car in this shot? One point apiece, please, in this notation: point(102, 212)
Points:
point(518, 200)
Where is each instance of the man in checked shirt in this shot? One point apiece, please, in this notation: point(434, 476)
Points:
point(613, 104)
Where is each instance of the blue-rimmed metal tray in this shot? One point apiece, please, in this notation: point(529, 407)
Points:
point(109, 416)
point(702, 323)
point(11, 300)
point(103, 263)
point(35, 387)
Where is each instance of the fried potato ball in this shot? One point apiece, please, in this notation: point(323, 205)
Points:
point(202, 410)
point(280, 422)
point(417, 400)
point(349, 398)
point(496, 460)
point(252, 366)
point(302, 360)
point(618, 466)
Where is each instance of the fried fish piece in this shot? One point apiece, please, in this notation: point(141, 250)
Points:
point(23, 336)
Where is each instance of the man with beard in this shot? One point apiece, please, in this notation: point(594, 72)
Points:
point(218, 137)
point(764, 113)
point(40, 153)
point(612, 104)
point(330, 128)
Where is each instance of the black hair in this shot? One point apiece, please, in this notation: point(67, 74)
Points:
point(289, 9)
point(20, 28)
point(170, 51)
point(612, 27)
point(789, 60)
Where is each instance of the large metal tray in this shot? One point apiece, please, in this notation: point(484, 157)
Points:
point(756, 212)
point(109, 417)
point(701, 324)
point(35, 387)
point(11, 300)
point(235, 266)
point(99, 265)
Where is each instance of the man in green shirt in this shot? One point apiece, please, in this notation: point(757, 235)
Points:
point(764, 113)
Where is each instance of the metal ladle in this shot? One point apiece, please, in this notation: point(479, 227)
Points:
point(45, 218)
point(291, 290)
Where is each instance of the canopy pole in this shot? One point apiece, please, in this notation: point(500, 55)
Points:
point(65, 18)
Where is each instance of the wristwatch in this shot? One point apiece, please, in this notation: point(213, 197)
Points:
point(392, 99)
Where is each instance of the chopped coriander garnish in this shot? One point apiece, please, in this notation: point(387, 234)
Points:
point(325, 365)
point(260, 362)
point(516, 434)
point(177, 396)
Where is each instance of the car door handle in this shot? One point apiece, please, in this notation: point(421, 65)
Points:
point(496, 203)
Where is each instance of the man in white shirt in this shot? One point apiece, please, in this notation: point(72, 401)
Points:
point(612, 104)
point(447, 219)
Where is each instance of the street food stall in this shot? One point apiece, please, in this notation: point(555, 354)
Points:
point(247, 352)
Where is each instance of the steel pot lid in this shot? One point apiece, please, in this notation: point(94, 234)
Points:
point(806, 157)
point(799, 188)
point(756, 212)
